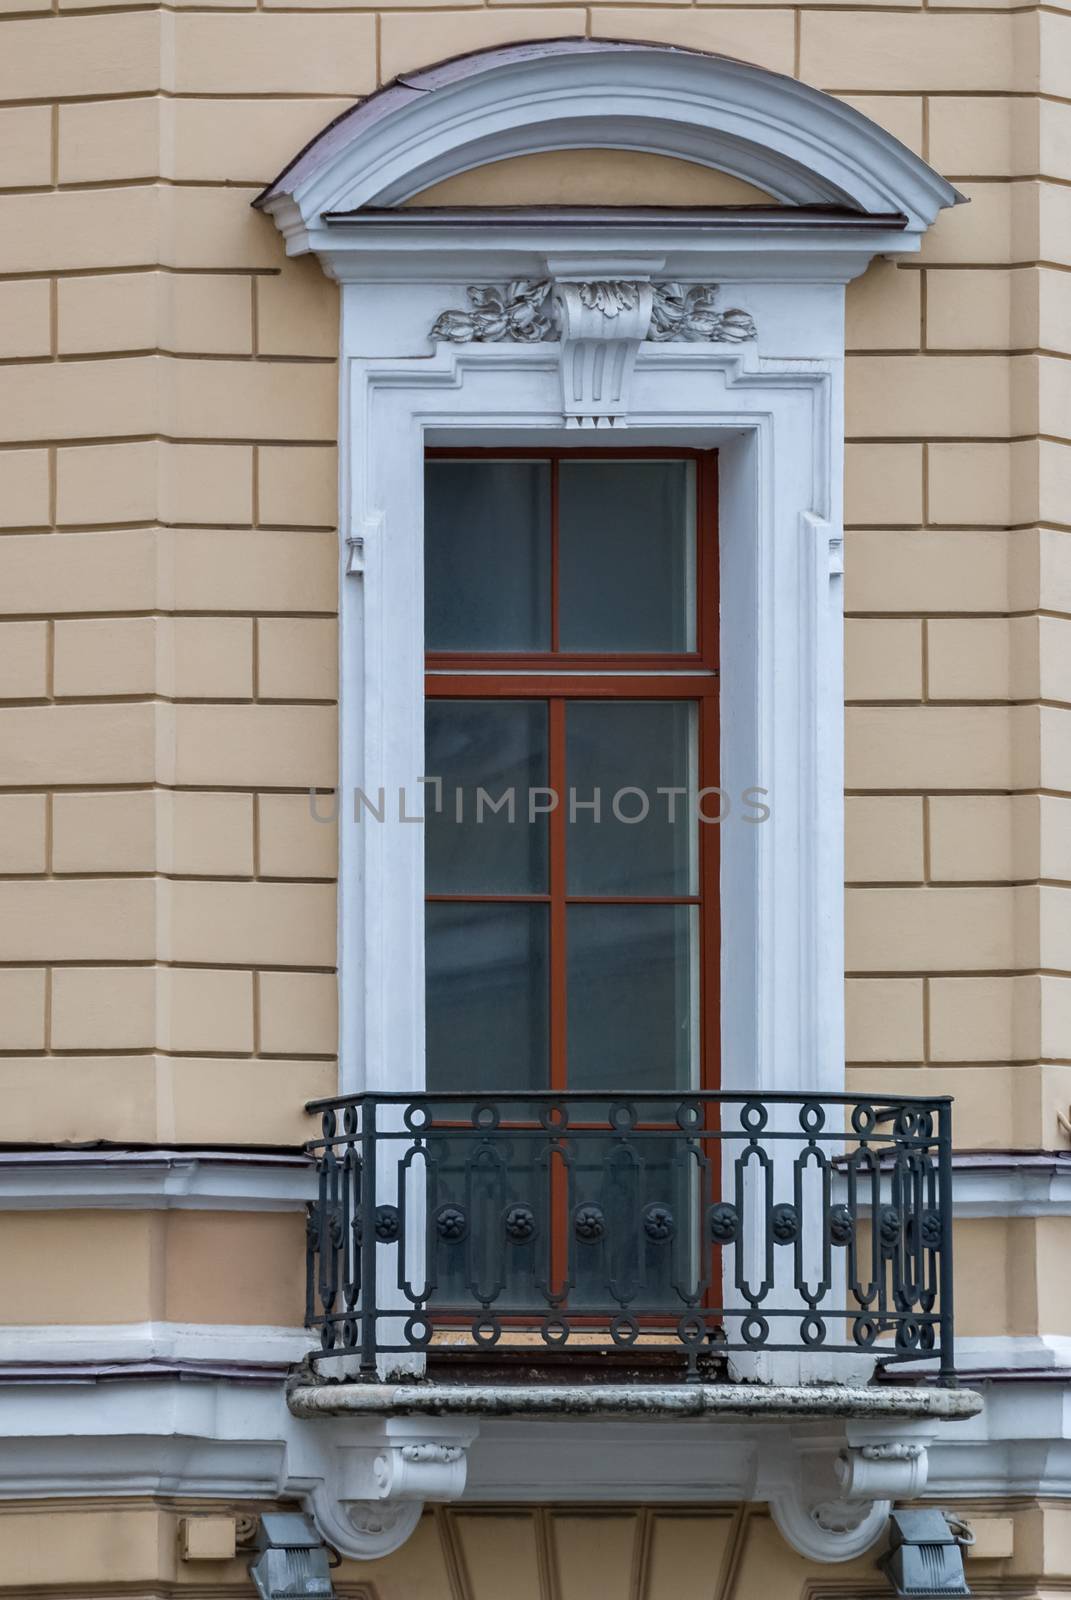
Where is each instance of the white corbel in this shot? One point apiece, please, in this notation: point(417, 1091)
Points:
point(367, 1483)
point(892, 1469)
point(831, 1496)
point(603, 323)
point(357, 543)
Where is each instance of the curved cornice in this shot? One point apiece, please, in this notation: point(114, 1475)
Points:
point(800, 145)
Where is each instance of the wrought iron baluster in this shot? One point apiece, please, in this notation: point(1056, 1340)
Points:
point(368, 1238)
point(944, 1169)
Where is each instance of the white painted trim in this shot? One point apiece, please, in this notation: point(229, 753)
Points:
point(801, 146)
point(775, 418)
point(145, 1343)
point(1014, 1184)
point(1011, 1185)
point(157, 1180)
point(1008, 1354)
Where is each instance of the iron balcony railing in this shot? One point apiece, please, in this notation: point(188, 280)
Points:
point(635, 1224)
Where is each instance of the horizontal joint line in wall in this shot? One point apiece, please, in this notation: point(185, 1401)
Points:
point(959, 972)
point(944, 438)
point(945, 705)
point(955, 353)
point(986, 266)
point(1035, 882)
point(942, 352)
point(85, 787)
point(990, 791)
point(1018, 177)
point(84, 357)
point(164, 615)
point(232, 880)
point(171, 1055)
point(949, 616)
point(181, 966)
point(94, 876)
point(864, 9)
point(1031, 1060)
point(886, 883)
point(140, 271)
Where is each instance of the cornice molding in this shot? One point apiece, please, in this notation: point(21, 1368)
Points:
point(985, 1183)
point(233, 1441)
point(152, 1180)
point(801, 146)
point(132, 1349)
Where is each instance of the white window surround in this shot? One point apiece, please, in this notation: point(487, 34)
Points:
point(772, 405)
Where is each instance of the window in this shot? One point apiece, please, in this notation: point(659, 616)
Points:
point(571, 725)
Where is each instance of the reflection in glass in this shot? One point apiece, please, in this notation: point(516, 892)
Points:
point(487, 977)
point(634, 745)
point(633, 997)
point(487, 754)
point(487, 555)
point(627, 555)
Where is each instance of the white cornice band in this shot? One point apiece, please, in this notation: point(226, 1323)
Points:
point(237, 1441)
point(154, 1180)
point(985, 1184)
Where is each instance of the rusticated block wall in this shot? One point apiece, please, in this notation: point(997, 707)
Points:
point(168, 567)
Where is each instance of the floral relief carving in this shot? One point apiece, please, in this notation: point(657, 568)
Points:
point(521, 310)
point(527, 311)
point(689, 314)
point(609, 296)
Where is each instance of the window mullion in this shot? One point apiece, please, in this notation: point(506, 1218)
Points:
point(557, 780)
point(555, 568)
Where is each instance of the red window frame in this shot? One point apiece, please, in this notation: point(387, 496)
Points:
point(557, 677)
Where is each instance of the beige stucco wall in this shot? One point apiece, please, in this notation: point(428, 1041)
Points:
point(167, 555)
point(549, 1553)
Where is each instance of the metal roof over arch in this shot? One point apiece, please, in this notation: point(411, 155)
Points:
point(802, 146)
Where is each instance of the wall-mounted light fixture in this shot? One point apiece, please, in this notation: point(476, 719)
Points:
point(292, 1560)
point(925, 1555)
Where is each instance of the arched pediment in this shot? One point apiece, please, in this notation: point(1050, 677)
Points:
point(799, 145)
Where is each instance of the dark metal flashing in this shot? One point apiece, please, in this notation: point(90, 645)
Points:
point(709, 219)
point(454, 69)
point(136, 1155)
point(83, 1372)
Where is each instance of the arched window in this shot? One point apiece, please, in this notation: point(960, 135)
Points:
point(658, 334)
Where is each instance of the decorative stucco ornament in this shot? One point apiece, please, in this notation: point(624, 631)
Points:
point(689, 314)
point(521, 311)
point(530, 311)
point(599, 325)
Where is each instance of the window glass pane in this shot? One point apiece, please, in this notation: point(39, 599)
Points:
point(618, 756)
point(633, 998)
point(487, 754)
point(627, 555)
point(487, 555)
point(487, 996)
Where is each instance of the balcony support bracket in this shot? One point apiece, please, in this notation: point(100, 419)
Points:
point(831, 1495)
point(368, 1482)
